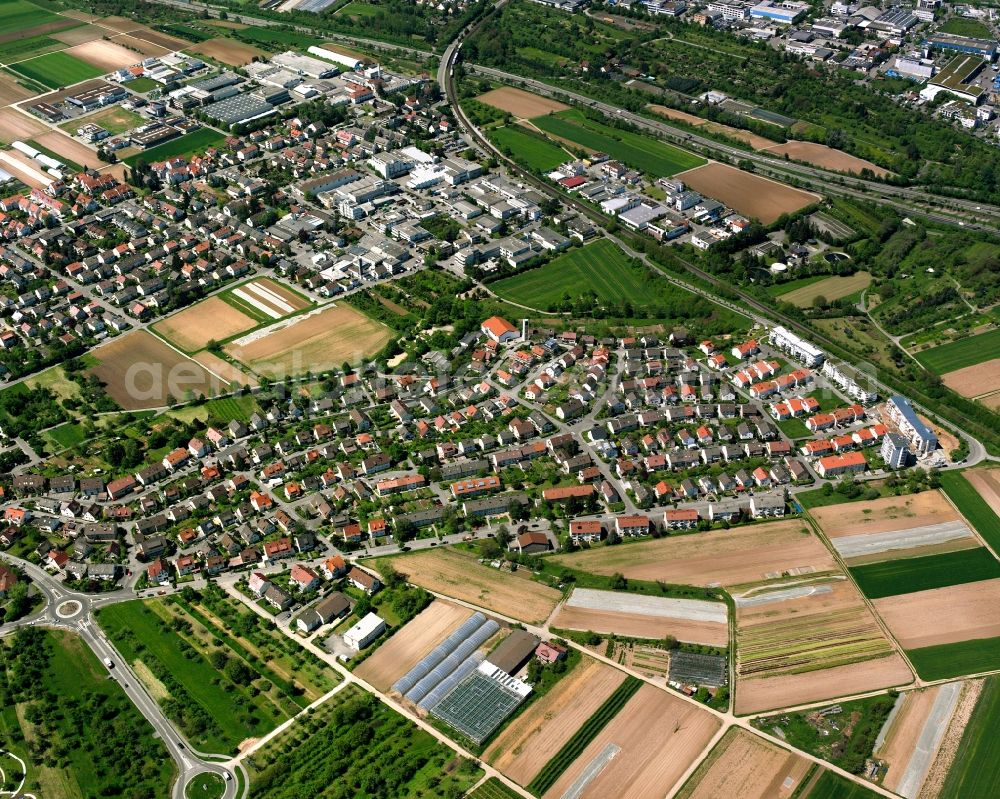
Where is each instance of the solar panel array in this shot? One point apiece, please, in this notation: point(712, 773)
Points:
point(439, 653)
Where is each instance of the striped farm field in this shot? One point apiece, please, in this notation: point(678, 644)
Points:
point(56, 70)
point(833, 288)
point(961, 353)
point(894, 577)
point(600, 267)
point(264, 300)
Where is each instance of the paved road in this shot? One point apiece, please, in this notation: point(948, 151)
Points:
point(73, 611)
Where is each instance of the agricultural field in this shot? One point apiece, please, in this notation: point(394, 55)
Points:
point(909, 575)
point(638, 151)
point(749, 194)
point(800, 642)
point(228, 51)
point(314, 342)
point(977, 495)
point(222, 410)
point(980, 382)
point(410, 644)
point(967, 351)
point(832, 288)
point(975, 772)
point(461, 576)
point(826, 158)
point(104, 55)
point(140, 371)
point(638, 616)
point(188, 144)
point(753, 139)
point(599, 268)
point(58, 145)
point(19, 18)
point(187, 329)
point(522, 104)
point(494, 789)
point(639, 753)
point(56, 70)
point(950, 615)
point(535, 152)
point(914, 735)
point(537, 735)
point(829, 785)
point(724, 557)
point(86, 737)
point(220, 694)
point(746, 766)
point(397, 759)
point(114, 120)
point(226, 371)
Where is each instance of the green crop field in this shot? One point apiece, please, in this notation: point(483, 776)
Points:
point(954, 660)
point(833, 786)
point(28, 47)
point(590, 729)
point(777, 289)
point(600, 267)
point(56, 70)
point(86, 737)
point(20, 15)
point(975, 774)
point(494, 789)
point(218, 693)
point(533, 151)
point(275, 37)
point(189, 144)
point(959, 354)
point(893, 577)
point(638, 151)
point(973, 507)
point(357, 746)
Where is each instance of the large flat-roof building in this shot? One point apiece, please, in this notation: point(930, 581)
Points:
point(963, 44)
point(784, 12)
point(797, 347)
point(239, 109)
point(903, 414)
point(304, 65)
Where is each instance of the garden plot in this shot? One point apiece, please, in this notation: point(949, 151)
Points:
point(640, 616)
point(810, 645)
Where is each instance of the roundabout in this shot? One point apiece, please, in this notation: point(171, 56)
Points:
point(69, 609)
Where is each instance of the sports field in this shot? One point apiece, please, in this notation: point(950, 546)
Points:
point(56, 70)
point(533, 151)
point(601, 268)
point(114, 120)
point(893, 577)
point(975, 774)
point(963, 352)
point(185, 145)
point(638, 151)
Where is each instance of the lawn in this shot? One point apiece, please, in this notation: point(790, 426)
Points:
point(87, 737)
point(975, 773)
point(205, 786)
point(958, 659)
point(959, 354)
point(114, 120)
point(66, 435)
point(355, 745)
point(56, 70)
point(973, 507)
point(188, 144)
point(600, 268)
point(638, 151)
point(218, 691)
point(962, 26)
point(794, 428)
point(893, 577)
point(535, 152)
point(222, 411)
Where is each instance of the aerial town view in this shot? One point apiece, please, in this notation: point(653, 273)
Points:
point(557, 399)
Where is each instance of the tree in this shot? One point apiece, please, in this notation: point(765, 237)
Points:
point(618, 582)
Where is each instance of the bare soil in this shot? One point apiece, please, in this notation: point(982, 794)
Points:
point(906, 728)
point(193, 328)
point(884, 515)
point(749, 194)
point(104, 55)
point(826, 157)
point(755, 141)
point(17, 125)
point(975, 380)
point(228, 51)
point(723, 557)
point(70, 148)
point(534, 738)
point(943, 615)
point(520, 103)
point(987, 483)
point(407, 646)
point(660, 737)
point(634, 625)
